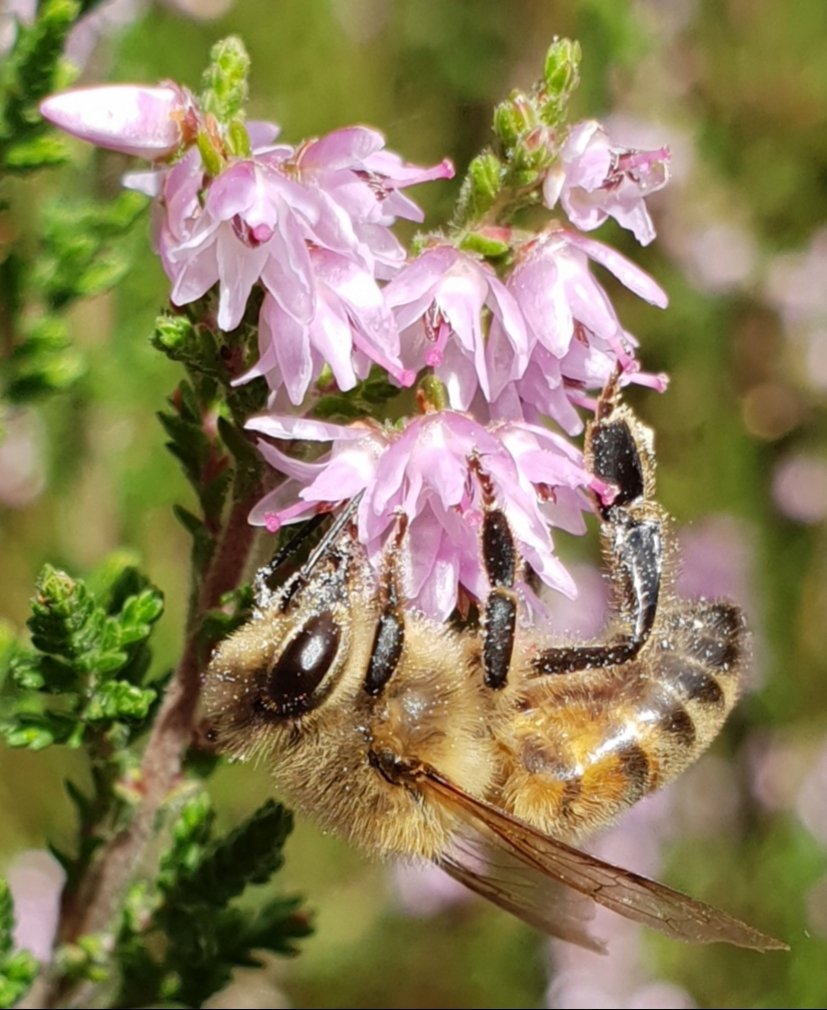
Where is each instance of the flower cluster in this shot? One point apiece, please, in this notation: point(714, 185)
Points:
point(505, 329)
point(311, 226)
point(424, 471)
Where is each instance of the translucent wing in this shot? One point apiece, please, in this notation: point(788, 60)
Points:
point(501, 878)
point(543, 858)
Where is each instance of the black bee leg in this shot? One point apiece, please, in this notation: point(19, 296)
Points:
point(619, 452)
point(500, 559)
point(390, 630)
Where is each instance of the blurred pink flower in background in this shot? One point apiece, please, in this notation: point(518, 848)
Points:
point(811, 801)
point(12, 12)
point(22, 457)
point(717, 560)
point(795, 288)
point(578, 617)
point(817, 907)
point(423, 889)
point(799, 487)
point(720, 256)
point(36, 879)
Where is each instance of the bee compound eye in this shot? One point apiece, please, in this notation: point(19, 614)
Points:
point(293, 681)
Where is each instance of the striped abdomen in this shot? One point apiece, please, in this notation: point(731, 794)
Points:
point(587, 745)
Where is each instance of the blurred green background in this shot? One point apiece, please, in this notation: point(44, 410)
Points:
point(738, 90)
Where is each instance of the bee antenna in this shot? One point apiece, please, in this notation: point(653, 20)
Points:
point(302, 576)
point(331, 536)
point(267, 573)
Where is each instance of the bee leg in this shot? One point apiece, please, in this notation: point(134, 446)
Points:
point(390, 630)
point(500, 559)
point(619, 451)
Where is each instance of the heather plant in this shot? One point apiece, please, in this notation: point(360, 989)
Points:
point(321, 360)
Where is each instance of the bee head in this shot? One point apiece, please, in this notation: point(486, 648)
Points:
point(267, 680)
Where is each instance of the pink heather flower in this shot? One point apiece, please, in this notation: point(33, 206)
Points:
point(351, 167)
point(438, 301)
point(575, 338)
point(251, 224)
point(424, 471)
point(147, 122)
point(351, 328)
point(312, 226)
point(594, 180)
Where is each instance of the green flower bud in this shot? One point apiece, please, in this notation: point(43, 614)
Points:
point(485, 173)
point(514, 118)
point(484, 245)
point(173, 335)
point(225, 80)
point(561, 76)
point(238, 140)
point(212, 159)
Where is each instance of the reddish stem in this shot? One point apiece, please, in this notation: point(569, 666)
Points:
point(91, 907)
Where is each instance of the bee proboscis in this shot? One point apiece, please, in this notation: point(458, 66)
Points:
point(491, 749)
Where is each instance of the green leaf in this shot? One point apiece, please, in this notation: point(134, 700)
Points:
point(17, 968)
point(203, 542)
point(32, 69)
point(249, 855)
point(116, 699)
point(84, 680)
point(366, 398)
point(190, 835)
point(115, 579)
point(31, 736)
point(79, 255)
point(138, 614)
point(32, 153)
point(25, 670)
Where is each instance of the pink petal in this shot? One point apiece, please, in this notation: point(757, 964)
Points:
point(341, 148)
point(625, 270)
point(286, 426)
point(131, 118)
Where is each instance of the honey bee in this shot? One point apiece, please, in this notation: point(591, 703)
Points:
point(489, 748)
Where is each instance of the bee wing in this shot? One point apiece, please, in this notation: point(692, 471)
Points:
point(623, 891)
point(501, 878)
